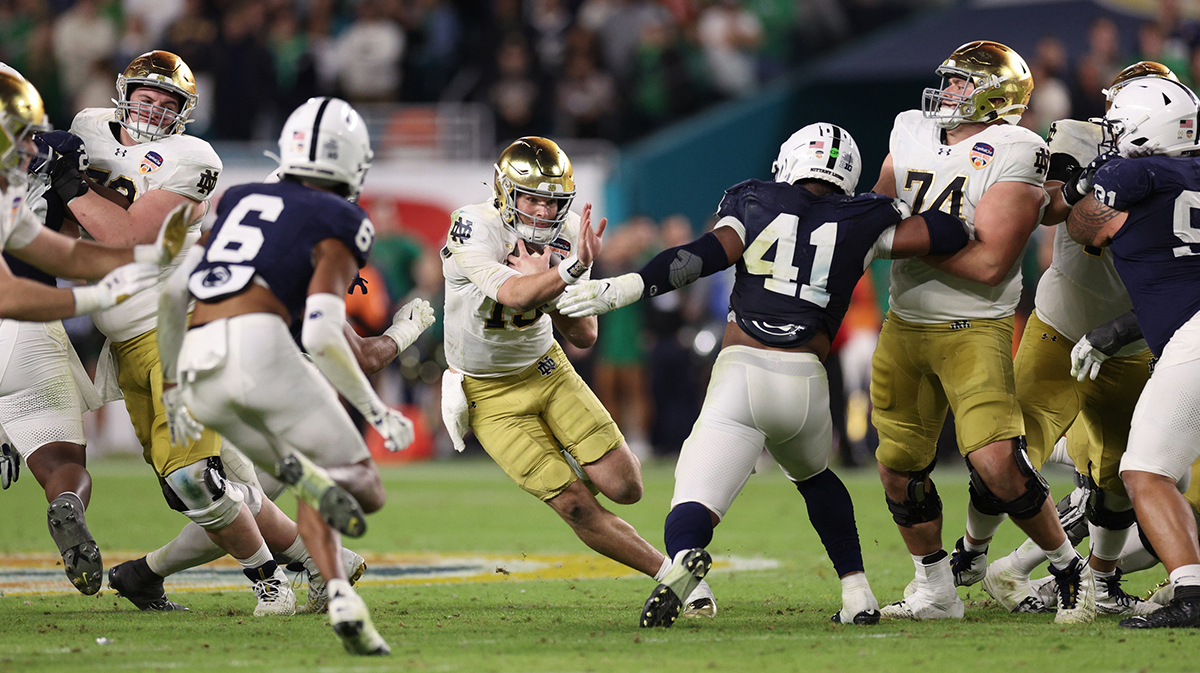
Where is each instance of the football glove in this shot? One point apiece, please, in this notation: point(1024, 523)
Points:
point(393, 426)
point(1086, 360)
point(183, 428)
point(1080, 183)
point(593, 297)
point(120, 284)
point(407, 323)
point(171, 236)
point(10, 465)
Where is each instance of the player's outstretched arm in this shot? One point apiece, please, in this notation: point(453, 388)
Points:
point(886, 184)
point(1005, 217)
point(22, 299)
point(323, 337)
point(1102, 343)
point(109, 223)
point(930, 233)
point(670, 270)
point(539, 282)
point(375, 353)
point(1093, 223)
point(172, 324)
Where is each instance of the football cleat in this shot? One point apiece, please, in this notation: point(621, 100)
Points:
point(1010, 588)
point(275, 595)
point(318, 591)
point(1162, 593)
point(313, 484)
point(1072, 513)
point(1044, 589)
point(664, 605)
point(701, 602)
point(859, 608)
point(1111, 598)
point(968, 567)
point(1076, 590)
point(351, 621)
point(921, 605)
point(136, 582)
point(80, 554)
point(1183, 610)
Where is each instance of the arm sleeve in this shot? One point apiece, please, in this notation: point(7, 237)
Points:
point(322, 337)
point(471, 246)
point(947, 233)
point(172, 312)
point(1121, 183)
point(1115, 335)
point(672, 269)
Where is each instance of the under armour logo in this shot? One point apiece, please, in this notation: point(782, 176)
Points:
point(1050, 337)
point(208, 181)
point(547, 365)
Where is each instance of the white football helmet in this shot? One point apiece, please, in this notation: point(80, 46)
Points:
point(1153, 115)
point(820, 151)
point(326, 141)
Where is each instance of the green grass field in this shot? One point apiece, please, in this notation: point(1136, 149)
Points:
point(769, 620)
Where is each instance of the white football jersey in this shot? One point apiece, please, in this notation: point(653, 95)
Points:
point(181, 163)
point(18, 223)
point(483, 337)
point(953, 178)
point(1081, 290)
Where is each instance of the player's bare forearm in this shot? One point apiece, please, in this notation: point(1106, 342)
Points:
point(67, 257)
point(525, 293)
point(372, 353)
point(580, 332)
point(1057, 209)
point(22, 299)
point(1093, 223)
point(886, 184)
point(1005, 217)
point(109, 223)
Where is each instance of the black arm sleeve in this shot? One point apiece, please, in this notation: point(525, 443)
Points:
point(947, 233)
point(1113, 336)
point(673, 268)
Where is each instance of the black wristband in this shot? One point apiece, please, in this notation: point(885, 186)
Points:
point(947, 233)
point(1070, 188)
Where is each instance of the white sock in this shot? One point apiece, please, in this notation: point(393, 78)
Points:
point(971, 546)
point(259, 558)
point(663, 569)
point(935, 576)
point(855, 582)
point(191, 548)
point(1101, 574)
point(1061, 558)
point(1106, 543)
point(1186, 576)
point(1027, 557)
point(297, 553)
point(339, 587)
point(981, 526)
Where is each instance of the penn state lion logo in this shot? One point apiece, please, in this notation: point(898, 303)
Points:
point(216, 277)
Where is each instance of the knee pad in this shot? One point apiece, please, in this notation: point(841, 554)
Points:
point(1025, 506)
point(202, 493)
point(919, 506)
point(1108, 510)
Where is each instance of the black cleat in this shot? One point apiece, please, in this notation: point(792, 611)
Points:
point(314, 486)
point(864, 618)
point(666, 601)
point(1182, 611)
point(135, 581)
point(80, 554)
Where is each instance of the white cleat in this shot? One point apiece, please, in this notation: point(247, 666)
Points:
point(318, 592)
point(351, 621)
point(275, 596)
point(1111, 598)
point(1076, 589)
point(1162, 593)
point(701, 602)
point(923, 604)
point(1045, 591)
point(1011, 588)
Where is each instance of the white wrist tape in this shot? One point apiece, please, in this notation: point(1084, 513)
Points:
point(571, 270)
point(88, 299)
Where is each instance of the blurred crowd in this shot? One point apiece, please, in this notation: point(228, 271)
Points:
point(611, 69)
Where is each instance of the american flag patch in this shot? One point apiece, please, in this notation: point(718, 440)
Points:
point(1187, 129)
point(817, 144)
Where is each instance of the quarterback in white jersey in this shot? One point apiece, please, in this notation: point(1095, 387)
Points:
point(1079, 292)
point(948, 339)
point(509, 381)
point(43, 388)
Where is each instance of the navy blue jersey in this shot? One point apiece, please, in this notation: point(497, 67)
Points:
point(270, 230)
point(1157, 250)
point(804, 254)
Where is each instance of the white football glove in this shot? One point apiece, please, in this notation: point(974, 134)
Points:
point(10, 465)
point(171, 236)
point(394, 427)
point(593, 297)
point(1086, 360)
point(407, 323)
point(182, 426)
point(120, 284)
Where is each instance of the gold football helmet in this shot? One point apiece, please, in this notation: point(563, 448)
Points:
point(535, 167)
point(1002, 84)
point(22, 114)
point(1139, 69)
point(164, 71)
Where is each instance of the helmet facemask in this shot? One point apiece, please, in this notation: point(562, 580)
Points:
point(530, 227)
point(984, 103)
point(146, 121)
point(536, 167)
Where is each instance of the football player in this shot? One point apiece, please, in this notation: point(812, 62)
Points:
point(1142, 209)
point(43, 387)
point(509, 381)
point(769, 388)
point(139, 164)
point(280, 253)
point(1078, 292)
point(947, 342)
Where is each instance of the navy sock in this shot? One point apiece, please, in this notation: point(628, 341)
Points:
point(832, 515)
point(262, 572)
point(688, 526)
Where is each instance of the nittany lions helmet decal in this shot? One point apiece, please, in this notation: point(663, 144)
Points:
point(160, 70)
point(820, 152)
point(535, 167)
point(325, 141)
point(1001, 80)
point(21, 115)
point(1153, 115)
point(1136, 71)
